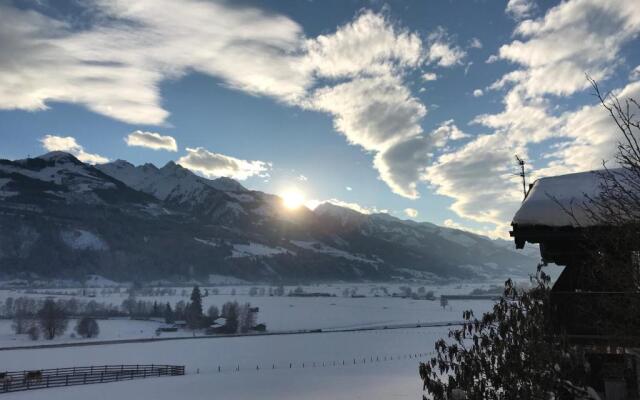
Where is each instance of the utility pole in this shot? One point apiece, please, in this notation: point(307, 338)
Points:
point(522, 175)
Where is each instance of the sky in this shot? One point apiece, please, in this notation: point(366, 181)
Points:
point(415, 108)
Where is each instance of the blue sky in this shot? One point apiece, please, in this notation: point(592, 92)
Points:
point(415, 107)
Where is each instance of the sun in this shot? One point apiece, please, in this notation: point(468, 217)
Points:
point(292, 198)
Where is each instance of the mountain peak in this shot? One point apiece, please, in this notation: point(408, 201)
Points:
point(328, 208)
point(227, 185)
point(58, 156)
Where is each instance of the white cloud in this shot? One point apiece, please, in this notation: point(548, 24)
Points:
point(68, 144)
point(479, 177)
point(373, 108)
point(491, 59)
point(552, 53)
point(590, 136)
point(573, 38)
point(429, 76)
point(475, 43)
point(302, 178)
point(212, 165)
point(478, 93)
point(520, 9)
point(151, 140)
point(349, 188)
point(372, 112)
point(369, 44)
point(442, 51)
point(635, 74)
point(115, 65)
point(411, 212)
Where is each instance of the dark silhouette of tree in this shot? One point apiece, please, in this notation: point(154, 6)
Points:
point(194, 309)
point(52, 319)
point(511, 352)
point(169, 317)
point(213, 313)
point(87, 327)
point(231, 311)
point(246, 318)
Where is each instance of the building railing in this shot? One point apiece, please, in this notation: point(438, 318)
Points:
point(12, 381)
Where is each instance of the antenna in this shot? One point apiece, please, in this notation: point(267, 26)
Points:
point(522, 175)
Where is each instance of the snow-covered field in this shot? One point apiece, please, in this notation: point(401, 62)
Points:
point(397, 379)
point(270, 367)
point(278, 313)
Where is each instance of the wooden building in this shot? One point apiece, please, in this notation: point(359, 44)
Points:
point(595, 302)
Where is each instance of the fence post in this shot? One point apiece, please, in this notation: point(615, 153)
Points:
point(47, 380)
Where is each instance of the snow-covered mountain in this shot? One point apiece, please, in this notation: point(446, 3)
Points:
point(172, 182)
point(60, 217)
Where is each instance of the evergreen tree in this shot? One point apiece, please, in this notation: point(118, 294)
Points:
point(169, 317)
point(194, 309)
point(196, 301)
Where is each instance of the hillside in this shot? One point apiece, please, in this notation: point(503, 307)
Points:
point(62, 218)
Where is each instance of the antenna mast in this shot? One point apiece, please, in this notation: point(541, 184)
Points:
point(522, 175)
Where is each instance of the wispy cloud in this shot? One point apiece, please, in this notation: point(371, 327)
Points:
point(520, 9)
point(442, 50)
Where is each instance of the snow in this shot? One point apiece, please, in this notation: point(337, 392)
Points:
point(64, 171)
point(284, 313)
point(97, 281)
point(171, 182)
point(242, 197)
point(397, 379)
point(215, 279)
point(80, 239)
point(256, 250)
point(458, 237)
point(110, 329)
point(6, 193)
point(274, 380)
point(343, 214)
point(549, 199)
point(319, 247)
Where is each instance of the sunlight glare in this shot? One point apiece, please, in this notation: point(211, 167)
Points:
point(292, 198)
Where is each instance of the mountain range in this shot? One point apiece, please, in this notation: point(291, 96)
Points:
point(62, 218)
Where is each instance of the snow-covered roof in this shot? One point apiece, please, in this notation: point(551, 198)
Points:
point(549, 199)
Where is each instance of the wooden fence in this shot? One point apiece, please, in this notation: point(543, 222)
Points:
point(48, 378)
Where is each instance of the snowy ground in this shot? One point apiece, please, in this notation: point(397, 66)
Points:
point(397, 379)
point(278, 313)
point(273, 355)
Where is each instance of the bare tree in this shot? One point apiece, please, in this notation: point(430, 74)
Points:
point(52, 319)
point(87, 327)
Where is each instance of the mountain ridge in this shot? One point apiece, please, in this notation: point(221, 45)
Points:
point(61, 217)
